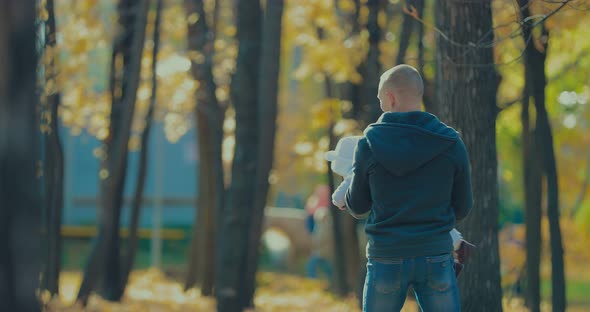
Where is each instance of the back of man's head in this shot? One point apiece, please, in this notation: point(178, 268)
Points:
point(405, 82)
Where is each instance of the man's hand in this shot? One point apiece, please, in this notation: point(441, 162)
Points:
point(338, 197)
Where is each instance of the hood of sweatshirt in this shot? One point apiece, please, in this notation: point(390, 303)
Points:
point(404, 142)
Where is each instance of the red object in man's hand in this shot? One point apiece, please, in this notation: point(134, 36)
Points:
point(461, 255)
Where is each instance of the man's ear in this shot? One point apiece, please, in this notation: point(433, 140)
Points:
point(391, 97)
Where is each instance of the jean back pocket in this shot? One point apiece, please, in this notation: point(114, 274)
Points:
point(440, 272)
point(386, 275)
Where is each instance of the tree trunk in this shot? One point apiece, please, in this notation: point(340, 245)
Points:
point(550, 169)
point(405, 33)
point(209, 116)
point(535, 66)
point(351, 92)
point(240, 203)
point(428, 88)
point(546, 151)
point(373, 65)
point(351, 253)
point(268, 87)
point(466, 88)
point(104, 259)
point(355, 261)
point(339, 282)
point(532, 174)
point(532, 202)
point(54, 166)
point(20, 198)
point(129, 259)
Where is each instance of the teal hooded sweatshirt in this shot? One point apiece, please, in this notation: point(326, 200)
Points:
point(412, 181)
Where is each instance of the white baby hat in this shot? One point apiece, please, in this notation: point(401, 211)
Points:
point(341, 158)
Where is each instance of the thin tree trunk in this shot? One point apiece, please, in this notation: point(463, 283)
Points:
point(466, 88)
point(550, 168)
point(129, 259)
point(104, 259)
point(405, 34)
point(532, 177)
point(54, 166)
point(373, 65)
point(356, 96)
point(268, 87)
point(339, 282)
point(20, 198)
point(351, 252)
point(535, 63)
point(532, 199)
point(355, 262)
point(209, 115)
point(240, 203)
point(428, 85)
point(351, 91)
point(547, 153)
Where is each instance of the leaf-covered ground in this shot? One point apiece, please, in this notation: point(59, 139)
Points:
point(152, 291)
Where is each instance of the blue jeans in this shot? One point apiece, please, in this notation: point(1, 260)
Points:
point(432, 278)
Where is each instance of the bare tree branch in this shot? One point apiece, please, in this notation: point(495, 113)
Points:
point(481, 43)
point(563, 71)
point(509, 103)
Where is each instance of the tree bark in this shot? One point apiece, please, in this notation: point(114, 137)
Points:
point(54, 166)
point(405, 33)
point(352, 255)
point(20, 198)
point(104, 259)
point(466, 88)
point(268, 87)
point(339, 277)
point(532, 174)
point(532, 202)
point(209, 115)
point(373, 65)
point(550, 169)
point(240, 203)
point(532, 188)
point(428, 87)
point(535, 66)
point(129, 259)
point(351, 92)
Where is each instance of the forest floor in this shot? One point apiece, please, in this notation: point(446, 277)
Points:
point(152, 291)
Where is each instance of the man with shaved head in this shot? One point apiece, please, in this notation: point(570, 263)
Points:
point(412, 181)
point(401, 89)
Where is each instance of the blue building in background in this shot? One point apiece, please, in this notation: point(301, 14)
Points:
point(171, 180)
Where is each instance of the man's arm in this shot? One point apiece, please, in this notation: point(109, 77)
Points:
point(462, 196)
point(358, 197)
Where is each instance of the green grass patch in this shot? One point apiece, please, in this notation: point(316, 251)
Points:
point(76, 252)
point(577, 292)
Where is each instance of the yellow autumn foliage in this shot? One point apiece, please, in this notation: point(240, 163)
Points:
point(85, 32)
point(329, 48)
point(151, 290)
